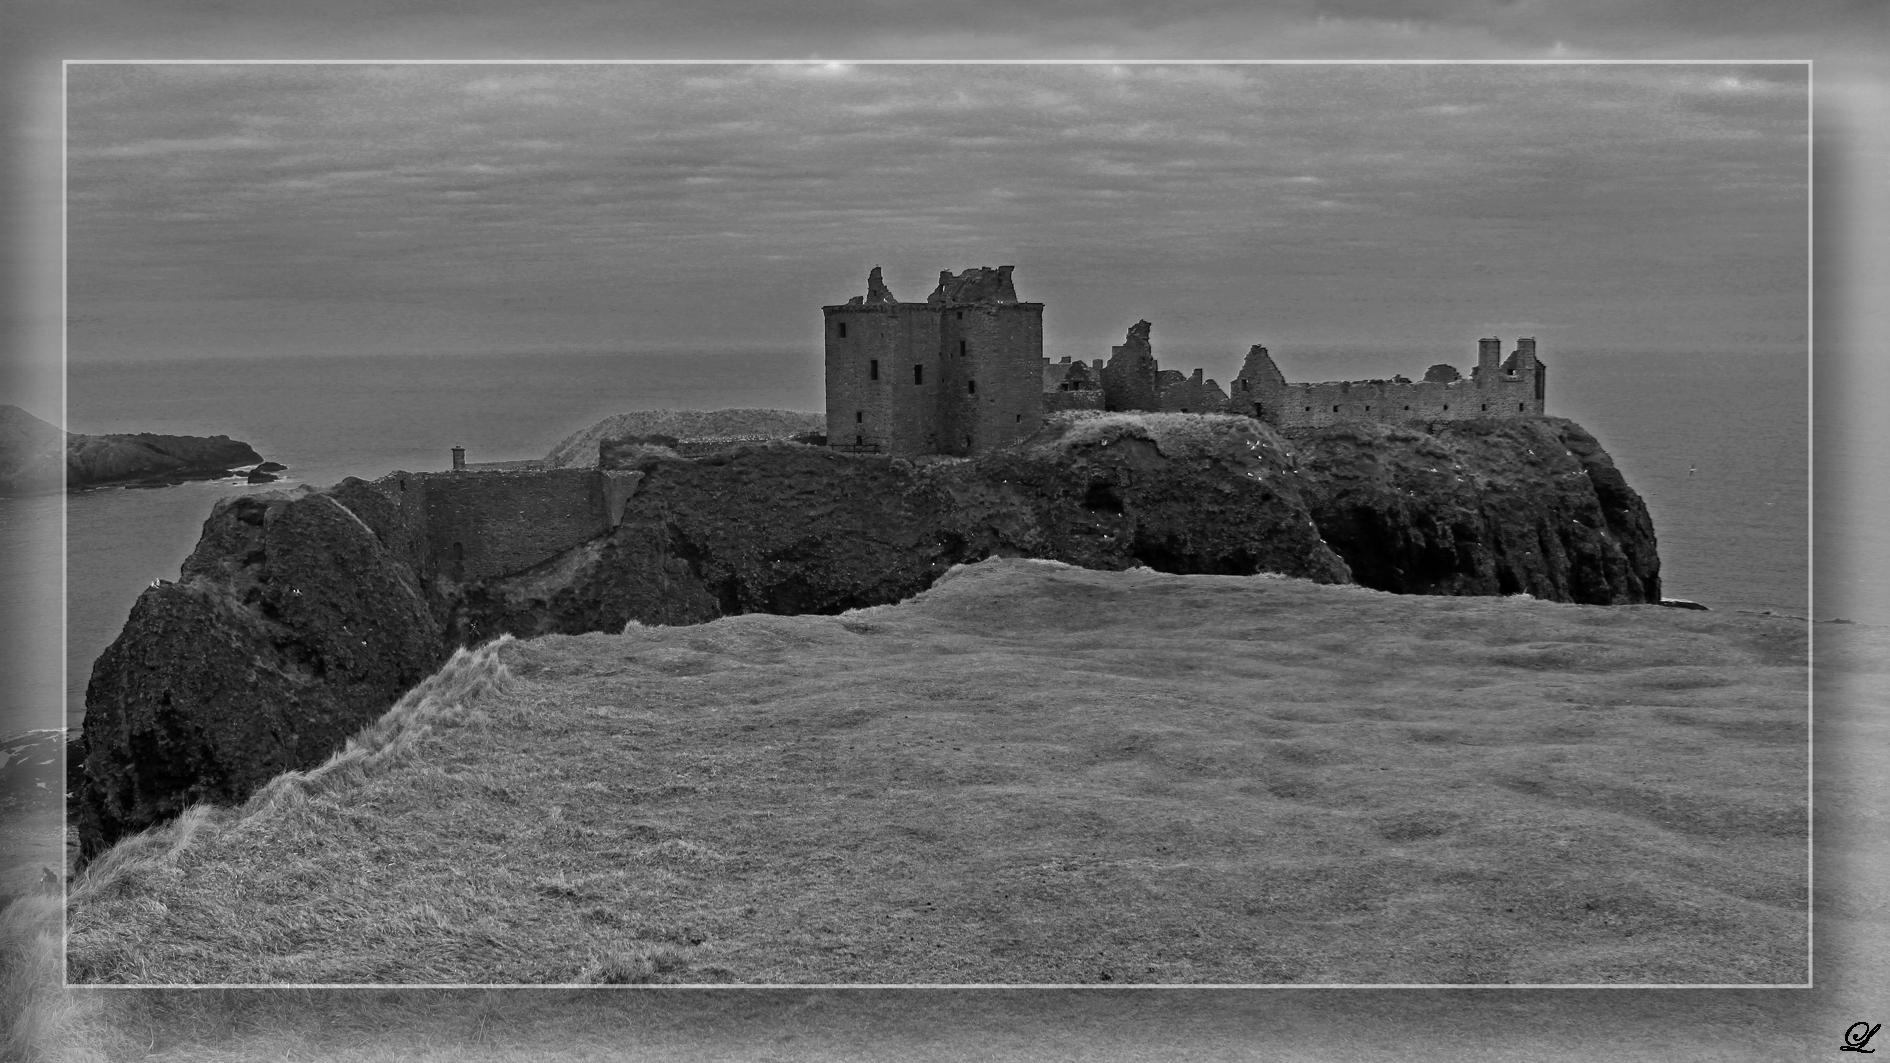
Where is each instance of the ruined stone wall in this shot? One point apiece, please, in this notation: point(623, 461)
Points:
point(1129, 377)
point(1494, 390)
point(1072, 400)
point(1316, 405)
point(485, 524)
point(1184, 394)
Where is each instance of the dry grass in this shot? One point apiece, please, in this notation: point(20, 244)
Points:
point(1179, 436)
point(1035, 774)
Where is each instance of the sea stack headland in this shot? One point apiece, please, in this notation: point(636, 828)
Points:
point(36, 457)
point(949, 439)
point(302, 616)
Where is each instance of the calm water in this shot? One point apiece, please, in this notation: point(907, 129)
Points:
point(1732, 531)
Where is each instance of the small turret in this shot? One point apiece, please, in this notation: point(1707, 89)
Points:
point(459, 459)
point(1489, 353)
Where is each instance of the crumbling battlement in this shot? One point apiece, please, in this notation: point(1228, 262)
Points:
point(1495, 388)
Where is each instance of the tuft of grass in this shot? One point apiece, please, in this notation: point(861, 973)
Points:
point(1176, 435)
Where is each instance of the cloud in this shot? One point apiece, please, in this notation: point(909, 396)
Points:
point(631, 197)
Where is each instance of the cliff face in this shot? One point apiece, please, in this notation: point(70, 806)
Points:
point(290, 627)
point(1480, 507)
point(300, 618)
point(793, 529)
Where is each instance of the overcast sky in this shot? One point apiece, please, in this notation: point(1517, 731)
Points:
point(272, 210)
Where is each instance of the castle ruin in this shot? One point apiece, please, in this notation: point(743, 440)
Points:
point(964, 372)
point(958, 374)
point(1496, 388)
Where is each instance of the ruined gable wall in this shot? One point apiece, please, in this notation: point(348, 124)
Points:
point(1130, 375)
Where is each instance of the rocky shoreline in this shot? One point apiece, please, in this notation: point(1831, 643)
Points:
point(302, 616)
point(38, 458)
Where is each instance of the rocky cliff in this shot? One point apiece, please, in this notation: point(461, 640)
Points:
point(1522, 505)
point(291, 627)
point(301, 617)
point(36, 456)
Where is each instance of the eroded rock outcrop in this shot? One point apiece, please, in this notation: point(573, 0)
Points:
point(1525, 505)
point(290, 628)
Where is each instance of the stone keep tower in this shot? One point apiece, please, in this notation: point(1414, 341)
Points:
point(957, 374)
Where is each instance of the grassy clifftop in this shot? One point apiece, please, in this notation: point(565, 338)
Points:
point(1029, 773)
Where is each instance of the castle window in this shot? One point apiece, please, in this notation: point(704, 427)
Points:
point(1309, 409)
point(961, 348)
point(859, 416)
point(1020, 418)
point(875, 369)
point(1407, 407)
point(1486, 406)
point(1446, 405)
point(1335, 409)
point(918, 374)
point(459, 551)
point(1368, 409)
point(1519, 407)
point(961, 315)
point(967, 442)
point(971, 387)
point(843, 330)
point(403, 483)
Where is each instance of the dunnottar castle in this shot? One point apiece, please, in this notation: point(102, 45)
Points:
point(964, 372)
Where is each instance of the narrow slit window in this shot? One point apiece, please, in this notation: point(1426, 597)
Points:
point(1519, 407)
point(961, 348)
point(971, 387)
point(875, 369)
point(859, 416)
point(1335, 409)
point(859, 441)
point(918, 374)
point(843, 330)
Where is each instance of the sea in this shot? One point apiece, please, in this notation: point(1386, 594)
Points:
point(1717, 444)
